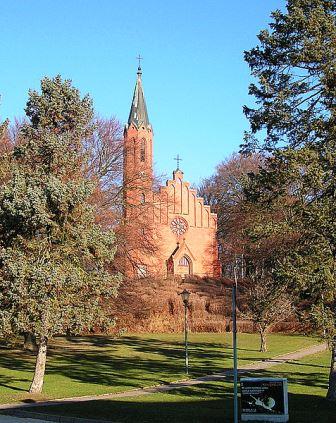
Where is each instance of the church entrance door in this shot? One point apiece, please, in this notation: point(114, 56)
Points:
point(185, 265)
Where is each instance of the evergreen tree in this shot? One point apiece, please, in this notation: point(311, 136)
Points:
point(295, 69)
point(55, 260)
point(295, 95)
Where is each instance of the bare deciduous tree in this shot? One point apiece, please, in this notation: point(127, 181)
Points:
point(136, 234)
point(266, 304)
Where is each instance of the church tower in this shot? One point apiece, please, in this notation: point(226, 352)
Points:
point(169, 231)
point(138, 151)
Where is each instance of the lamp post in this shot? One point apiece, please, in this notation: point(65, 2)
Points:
point(185, 298)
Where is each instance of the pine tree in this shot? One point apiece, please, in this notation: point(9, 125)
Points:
point(295, 71)
point(55, 261)
point(295, 93)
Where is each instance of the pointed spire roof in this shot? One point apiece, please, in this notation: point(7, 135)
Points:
point(138, 113)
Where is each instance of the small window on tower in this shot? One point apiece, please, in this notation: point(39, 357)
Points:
point(143, 151)
point(142, 198)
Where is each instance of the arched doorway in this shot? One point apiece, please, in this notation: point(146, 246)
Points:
point(170, 266)
point(185, 265)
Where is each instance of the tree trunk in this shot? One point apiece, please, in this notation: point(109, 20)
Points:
point(331, 394)
point(29, 342)
point(41, 358)
point(263, 343)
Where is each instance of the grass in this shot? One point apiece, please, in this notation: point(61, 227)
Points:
point(212, 402)
point(97, 365)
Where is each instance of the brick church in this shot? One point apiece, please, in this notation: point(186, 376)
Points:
point(169, 229)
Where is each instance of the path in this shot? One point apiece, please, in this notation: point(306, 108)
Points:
point(257, 365)
point(11, 419)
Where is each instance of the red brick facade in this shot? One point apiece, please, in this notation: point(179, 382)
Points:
point(183, 229)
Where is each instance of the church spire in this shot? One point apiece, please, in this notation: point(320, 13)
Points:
point(138, 114)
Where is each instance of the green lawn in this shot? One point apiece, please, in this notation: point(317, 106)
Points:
point(212, 402)
point(97, 365)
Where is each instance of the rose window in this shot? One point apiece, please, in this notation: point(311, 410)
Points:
point(179, 226)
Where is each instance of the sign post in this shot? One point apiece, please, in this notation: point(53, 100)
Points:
point(264, 399)
point(235, 351)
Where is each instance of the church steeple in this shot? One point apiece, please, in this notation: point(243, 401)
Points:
point(138, 151)
point(138, 114)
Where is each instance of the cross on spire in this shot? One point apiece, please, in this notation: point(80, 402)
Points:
point(178, 159)
point(139, 59)
point(138, 114)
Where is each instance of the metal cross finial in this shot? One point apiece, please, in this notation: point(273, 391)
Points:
point(139, 59)
point(178, 159)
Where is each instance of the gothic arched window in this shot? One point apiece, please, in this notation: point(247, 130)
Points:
point(143, 150)
point(186, 265)
point(142, 271)
point(184, 261)
point(142, 198)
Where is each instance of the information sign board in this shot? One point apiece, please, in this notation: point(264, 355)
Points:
point(264, 399)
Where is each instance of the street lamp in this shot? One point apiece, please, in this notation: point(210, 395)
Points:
point(185, 294)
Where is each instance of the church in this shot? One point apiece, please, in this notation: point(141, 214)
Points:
point(169, 229)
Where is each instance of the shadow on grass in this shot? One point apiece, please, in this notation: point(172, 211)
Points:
point(7, 382)
point(124, 363)
point(295, 377)
point(206, 404)
point(134, 361)
point(127, 362)
point(203, 404)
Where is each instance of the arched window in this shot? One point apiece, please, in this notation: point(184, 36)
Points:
point(184, 261)
point(142, 198)
point(143, 150)
point(142, 271)
point(186, 265)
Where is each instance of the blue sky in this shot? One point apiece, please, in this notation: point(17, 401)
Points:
point(194, 75)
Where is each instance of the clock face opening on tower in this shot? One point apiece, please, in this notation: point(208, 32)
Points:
point(179, 226)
